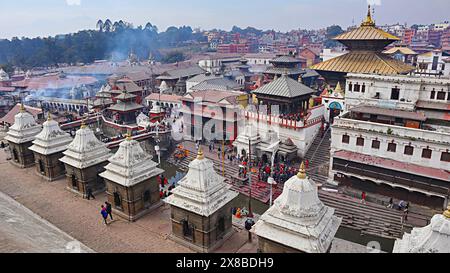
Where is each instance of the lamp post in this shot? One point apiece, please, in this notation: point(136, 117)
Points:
point(271, 180)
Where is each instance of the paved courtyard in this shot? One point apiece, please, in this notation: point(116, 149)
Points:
point(81, 218)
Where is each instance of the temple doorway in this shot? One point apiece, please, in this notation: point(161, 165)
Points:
point(335, 110)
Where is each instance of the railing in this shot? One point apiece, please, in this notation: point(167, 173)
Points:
point(314, 116)
point(391, 178)
point(396, 131)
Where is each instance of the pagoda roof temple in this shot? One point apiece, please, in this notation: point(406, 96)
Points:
point(366, 45)
point(298, 219)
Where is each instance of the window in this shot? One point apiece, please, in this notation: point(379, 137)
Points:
point(350, 87)
point(346, 139)
point(448, 96)
point(445, 156)
point(392, 147)
point(357, 87)
point(395, 93)
point(117, 200)
point(433, 95)
point(426, 153)
point(363, 88)
point(441, 95)
point(409, 150)
point(375, 144)
point(360, 141)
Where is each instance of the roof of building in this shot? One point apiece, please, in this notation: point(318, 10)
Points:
point(203, 77)
point(51, 139)
point(125, 96)
point(181, 73)
point(164, 97)
point(367, 31)
point(54, 81)
point(9, 117)
point(282, 70)
point(121, 106)
point(287, 59)
point(85, 150)
point(284, 87)
point(298, 219)
point(366, 62)
point(217, 84)
point(434, 238)
point(214, 96)
point(202, 191)
point(24, 128)
point(400, 49)
point(373, 110)
point(394, 165)
point(130, 165)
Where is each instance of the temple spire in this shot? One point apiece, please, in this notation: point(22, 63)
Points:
point(369, 21)
point(200, 154)
point(83, 124)
point(49, 116)
point(447, 212)
point(302, 171)
point(22, 108)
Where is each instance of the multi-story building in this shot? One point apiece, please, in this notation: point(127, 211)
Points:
point(445, 40)
point(395, 138)
point(432, 63)
point(233, 48)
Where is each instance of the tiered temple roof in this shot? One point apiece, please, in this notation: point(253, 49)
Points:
point(85, 150)
point(202, 191)
point(130, 165)
point(434, 238)
point(24, 128)
point(366, 44)
point(298, 219)
point(51, 139)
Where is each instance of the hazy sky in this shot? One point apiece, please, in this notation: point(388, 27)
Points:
point(33, 18)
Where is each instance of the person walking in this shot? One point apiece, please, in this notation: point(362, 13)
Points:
point(89, 194)
point(109, 210)
point(363, 197)
point(104, 214)
point(391, 203)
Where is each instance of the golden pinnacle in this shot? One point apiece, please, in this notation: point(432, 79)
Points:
point(302, 171)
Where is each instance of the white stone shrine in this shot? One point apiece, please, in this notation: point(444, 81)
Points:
point(298, 221)
point(85, 159)
point(20, 137)
point(48, 147)
point(434, 238)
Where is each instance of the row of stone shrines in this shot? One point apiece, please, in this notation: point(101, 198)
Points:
point(201, 203)
point(129, 176)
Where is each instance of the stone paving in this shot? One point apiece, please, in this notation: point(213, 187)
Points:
point(22, 231)
point(81, 218)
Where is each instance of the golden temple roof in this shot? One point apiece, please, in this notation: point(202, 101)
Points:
point(367, 31)
point(400, 49)
point(364, 62)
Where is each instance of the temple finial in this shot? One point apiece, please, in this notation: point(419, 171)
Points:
point(447, 212)
point(83, 124)
point(49, 116)
point(200, 154)
point(338, 88)
point(22, 108)
point(369, 20)
point(302, 171)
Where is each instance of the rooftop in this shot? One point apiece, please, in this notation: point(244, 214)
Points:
point(284, 87)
